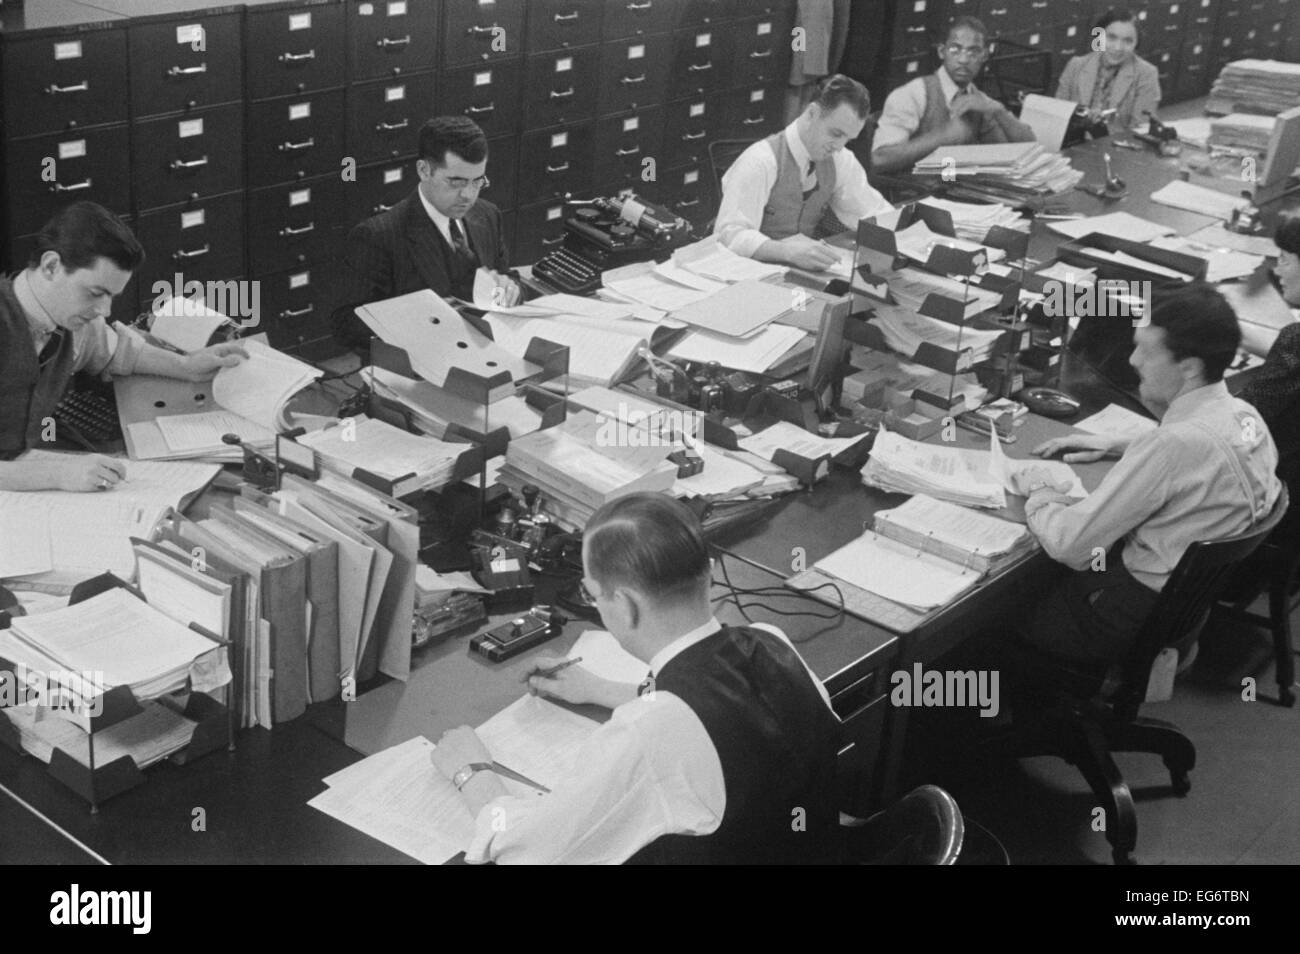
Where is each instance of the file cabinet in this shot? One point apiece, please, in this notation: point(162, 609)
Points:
point(563, 24)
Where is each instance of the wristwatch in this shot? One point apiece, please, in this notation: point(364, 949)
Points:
point(461, 778)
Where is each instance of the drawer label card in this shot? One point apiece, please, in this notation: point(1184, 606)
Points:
point(554, 213)
point(191, 34)
point(397, 8)
point(483, 79)
point(919, 6)
point(691, 177)
point(1033, 39)
point(300, 21)
point(72, 150)
point(299, 280)
point(559, 139)
point(764, 28)
point(911, 66)
point(394, 93)
point(71, 50)
point(697, 109)
point(366, 10)
point(193, 219)
point(392, 175)
point(299, 197)
point(703, 39)
point(630, 124)
point(1071, 30)
point(757, 96)
point(300, 111)
point(564, 64)
point(189, 127)
point(636, 51)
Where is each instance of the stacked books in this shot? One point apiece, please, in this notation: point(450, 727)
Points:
point(1015, 168)
point(1256, 86)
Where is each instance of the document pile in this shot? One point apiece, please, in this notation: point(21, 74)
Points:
point(1264, 86)
point(147, 737)
point(1245, 132)
point(1197, 198)
point(1024, 168)
point(665, 286)
point(711, 259)
point(972, 220)
point(958, 534)
point(410, 462)
point(601, 350)
point(905, 331)
point(910, 287)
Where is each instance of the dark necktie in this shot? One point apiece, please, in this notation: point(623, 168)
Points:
point(812, 175)
point(458, 242)
point(51, 347)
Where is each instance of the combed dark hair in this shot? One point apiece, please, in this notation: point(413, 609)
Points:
point(1287, 237)
point(1118, 15)
point(649, 542)
point(458, 134)
point(839, 89)
point(1198, 322)
point(970, 23)
point(83, 232)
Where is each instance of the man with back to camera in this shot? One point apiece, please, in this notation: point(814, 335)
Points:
point(52, 325)
point(944, 108)
point(731, 757)
point(437, 237)
point(1205, 473)
point(787, 191)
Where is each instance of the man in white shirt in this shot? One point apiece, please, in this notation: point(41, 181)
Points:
point(787, 191)
point(725, 754)
point(944, 108)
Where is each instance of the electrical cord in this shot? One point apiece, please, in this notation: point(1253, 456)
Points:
point(765, 592)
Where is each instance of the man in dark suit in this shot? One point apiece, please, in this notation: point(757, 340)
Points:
point(437, 237)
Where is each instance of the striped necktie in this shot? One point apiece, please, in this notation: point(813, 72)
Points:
point(458, 242)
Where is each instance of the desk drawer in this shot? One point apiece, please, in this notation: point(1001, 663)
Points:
point(198, 241)
point(64, 82)
point(624, 143)
point(555, 161)
point(295, 304)
point(687, 130)
point(291, 224)
point(562, 24)
point(748, 113)
point(44, 174)
point(487, 94)
point(628, 18)
point(378, 188)
point(560, 87)
point(477, 31)
point(392, 37)
point(384, 118)
point(539, 228)
point(761, 52)
point(634, 73)
point(701, 61)
point(295, 50)
point(186, 64)
point(178, 158)
point(862, 737)
point(294, 138)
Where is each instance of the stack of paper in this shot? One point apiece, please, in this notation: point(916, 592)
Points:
point(434, 409)
point(711, 259)
point(1195, 198)
point(1247, 132)
point(898, 572)
point(411, 461)
point(959, 534)
point(1260, 86)
point(601, 350)
point(917, 242)
point(186, 323)
point(664, 289)
point(911, 286)
point(1019, 167)
point(972, 220)
point(786, 436)
point(905, 331)
point(1221, 264)
point(1122, 225)
point(756, 354)
point(146, 737)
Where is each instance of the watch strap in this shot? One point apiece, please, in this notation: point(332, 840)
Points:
point(467, 772)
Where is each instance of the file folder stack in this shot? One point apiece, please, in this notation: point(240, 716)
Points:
point(1257, 86)
point(1023, 168)
point(408, 461)
point(1243, 131)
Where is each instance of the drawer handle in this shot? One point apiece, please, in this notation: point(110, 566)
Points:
point(479, 31)
point(297, 57)
point(298, 312)
point(641, 6)
point(181, 255)
point(480, 110)
point(82, 87)
point(566, 17)
point(384, 42)
point(75, 187)
point(691, 137)
point(552, 242)
point(688, 204)
point(389, 127)
point(295, 146)
point(381, 207)
point(187, 70)
point(191, 164)
point(287, 231)
point(556, 94)
point(632, 80)
point(627, 152)
point(760, 56)
point(758, 121)
point(562, 167)
point(699, 68)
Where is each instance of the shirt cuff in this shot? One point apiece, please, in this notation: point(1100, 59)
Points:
point(745, 241)
point(494, 820)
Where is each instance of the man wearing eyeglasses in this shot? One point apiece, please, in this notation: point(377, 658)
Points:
point(944, 108)
point(437, 237)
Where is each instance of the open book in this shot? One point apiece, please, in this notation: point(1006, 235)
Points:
point(958, 534)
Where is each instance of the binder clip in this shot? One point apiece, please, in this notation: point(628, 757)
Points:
point(263, 472)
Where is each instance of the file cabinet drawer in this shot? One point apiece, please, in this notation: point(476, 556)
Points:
point(295, 305)
point(1001, 17)
point(748, 113)
point(378, 188)
point(688, 129)
point(695, 12)
point(560, 87)
point(291, 224)
point(391, 37)
point(905, 68)
point(913, 20)
point(502, 171)
point(539, 228)
point(627, 18)
point(384, 118)
point(178, 158)
point(186, 64)
point(487, 94)
point(1040, 14)
point(701, 61)
point(1070, 39)
point(861, 736)
point(200, 241)
point(628, 145)
point(562, 24)
point(294, 50)
point(477, 31)
point(64, 82)
point(634, 73)
point(762, 52)
point(1194, 78)
point(688, 191)
point(295, 137)
point(43, 175)
point(555, 161)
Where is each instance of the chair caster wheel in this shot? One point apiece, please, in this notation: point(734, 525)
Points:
point(1286, 697)
point(1180, 783)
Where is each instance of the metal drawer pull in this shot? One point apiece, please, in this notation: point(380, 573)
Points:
point(295, 146)
point(760, 56)
point(298, 313)
point(691, 137)
point(479, 31)
point(187, 70)
point(698, 68)
point(555, 94)
point(632, 80)
point(688, 204)
point(480, 110)
point(753, 122)
point(287, 231)
point(565, 17)
point(554, 241)
point(59, 187)
point(181, 255)
point(627, 152)
point(191, 164)
point(640, 6)
point(384, 42)
point(562, 167)
point(389, 127)
point(82, 87)
point(297, 57)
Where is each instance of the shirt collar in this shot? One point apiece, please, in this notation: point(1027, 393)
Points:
point(683, 643)
point(1188, 405)
point(440, 220)
point(949, 86)
point(41, 326)
point(797, 148)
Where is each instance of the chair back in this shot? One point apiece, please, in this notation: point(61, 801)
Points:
point(722, 153)
point(1014, 69)
point(1194, 586)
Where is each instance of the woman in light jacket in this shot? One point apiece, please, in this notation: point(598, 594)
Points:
point(1114, 77)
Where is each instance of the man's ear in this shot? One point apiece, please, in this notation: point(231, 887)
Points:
point(425, 169)
point(50, 264)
